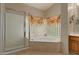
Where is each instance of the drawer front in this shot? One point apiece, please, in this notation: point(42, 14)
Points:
point(74, 38)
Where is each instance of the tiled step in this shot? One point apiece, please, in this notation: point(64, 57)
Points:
point(45, 46)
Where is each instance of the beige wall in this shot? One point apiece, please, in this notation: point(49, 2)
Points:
point(1, 27)
point(54, 10)
point(76, 26)
point(74, 11)
point(73, 27)
point(25, 8)
point(64, 28)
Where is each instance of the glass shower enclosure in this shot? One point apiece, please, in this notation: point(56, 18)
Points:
point(14, 30)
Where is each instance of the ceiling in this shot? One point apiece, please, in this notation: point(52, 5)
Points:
point(41, 6)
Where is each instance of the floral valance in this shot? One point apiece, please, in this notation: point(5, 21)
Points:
point(41, 20)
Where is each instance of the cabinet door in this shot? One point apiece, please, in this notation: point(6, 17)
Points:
point(74, 46)
point(78, 46)
point(14, 30)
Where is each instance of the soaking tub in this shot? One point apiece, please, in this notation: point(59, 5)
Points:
point(46, 38)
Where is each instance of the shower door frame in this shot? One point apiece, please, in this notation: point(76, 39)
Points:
point(14, 12)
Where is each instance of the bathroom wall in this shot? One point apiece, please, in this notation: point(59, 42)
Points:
point(0, 29)
point(72, 10)
point(76, 26)
point(25, 8)
point(73, 26)
point(78, 10)
point(64, 29)
point(54, 10)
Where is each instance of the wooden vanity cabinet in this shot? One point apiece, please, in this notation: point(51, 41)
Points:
point(74, 44)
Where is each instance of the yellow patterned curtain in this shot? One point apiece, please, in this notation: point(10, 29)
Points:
point(36, 20)
point(41, 20)
point(53, 20)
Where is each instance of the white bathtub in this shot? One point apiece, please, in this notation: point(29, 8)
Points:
point(46, 38)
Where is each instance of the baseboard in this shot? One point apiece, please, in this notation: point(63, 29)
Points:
point(14, 51)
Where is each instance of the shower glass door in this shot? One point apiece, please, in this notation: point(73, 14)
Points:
point(14, 30)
